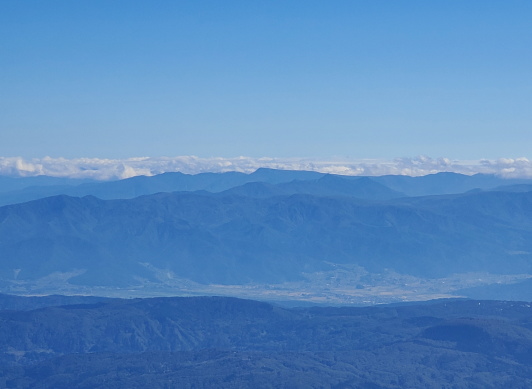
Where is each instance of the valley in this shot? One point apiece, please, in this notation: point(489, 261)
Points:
point(344, 286)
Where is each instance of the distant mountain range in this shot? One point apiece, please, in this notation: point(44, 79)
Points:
point(281, 182)
point(302, 239)
point(267, 227)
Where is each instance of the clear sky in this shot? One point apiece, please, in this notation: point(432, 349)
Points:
point(357, 79)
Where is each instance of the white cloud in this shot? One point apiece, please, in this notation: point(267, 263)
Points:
point(107, 169)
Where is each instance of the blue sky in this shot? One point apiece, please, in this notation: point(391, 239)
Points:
point(316, 79)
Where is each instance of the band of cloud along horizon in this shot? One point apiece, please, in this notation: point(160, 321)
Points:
point(110, 169)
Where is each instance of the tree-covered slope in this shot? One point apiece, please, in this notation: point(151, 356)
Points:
point(228, 343)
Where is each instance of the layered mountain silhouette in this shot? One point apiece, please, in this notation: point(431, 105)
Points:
point(227, 238)
point(274, 230)
point(32, 188)
point(16, 190)
point(271, 226)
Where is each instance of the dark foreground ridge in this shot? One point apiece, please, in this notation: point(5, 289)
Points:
point(220, 342)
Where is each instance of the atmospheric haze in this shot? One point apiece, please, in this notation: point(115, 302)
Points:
point(106, 169)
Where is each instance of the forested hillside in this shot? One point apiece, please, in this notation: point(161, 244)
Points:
point(229, 343)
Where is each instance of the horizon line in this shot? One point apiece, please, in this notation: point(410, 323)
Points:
point(104, 169)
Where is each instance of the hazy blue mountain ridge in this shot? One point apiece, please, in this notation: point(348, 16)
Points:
point(328, 185)
point(215, 238)
point(143, 185)
point(444, 183)
point(18, 190)
point(8, 183)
